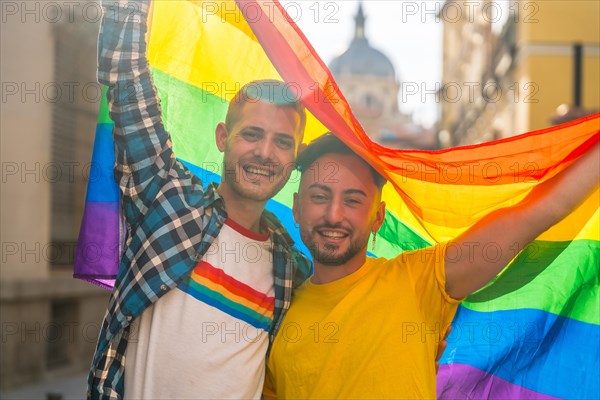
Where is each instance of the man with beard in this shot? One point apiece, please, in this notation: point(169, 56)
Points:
point(189, 316)
point(367, 328)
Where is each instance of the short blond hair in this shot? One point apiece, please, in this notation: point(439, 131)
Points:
point(268, 90)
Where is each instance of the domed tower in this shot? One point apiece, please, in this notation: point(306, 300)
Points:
point(360, 58)
point(367, 79)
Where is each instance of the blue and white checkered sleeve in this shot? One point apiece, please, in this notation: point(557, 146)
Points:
point(141, 142)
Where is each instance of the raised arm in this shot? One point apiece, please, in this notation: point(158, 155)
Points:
point(468, 269)
point(141, 142)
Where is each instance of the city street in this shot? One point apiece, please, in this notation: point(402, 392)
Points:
point(71, 388)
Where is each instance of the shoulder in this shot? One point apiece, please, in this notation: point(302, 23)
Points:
point(417, 262)
point(425, 255)
point(301, 264)
point(276, 228)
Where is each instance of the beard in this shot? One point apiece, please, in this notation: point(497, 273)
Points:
point(328, 254)
point(253, 189)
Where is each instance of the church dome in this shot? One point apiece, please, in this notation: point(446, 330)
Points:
point(361, 58)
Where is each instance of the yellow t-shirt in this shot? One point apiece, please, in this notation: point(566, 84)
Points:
point(372, 334)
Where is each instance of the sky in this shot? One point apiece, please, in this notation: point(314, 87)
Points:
point(406, 31)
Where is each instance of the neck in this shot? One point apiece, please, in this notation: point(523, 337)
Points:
point(329, 273)
point(244, 212)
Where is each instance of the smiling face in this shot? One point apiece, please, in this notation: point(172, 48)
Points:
point(338, 206)
point(259, 150)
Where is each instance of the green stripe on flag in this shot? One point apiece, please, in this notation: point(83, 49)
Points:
point(558, 277)
point(103, 117)
point(191, 116)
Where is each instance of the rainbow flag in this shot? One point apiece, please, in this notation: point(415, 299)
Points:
point(534, 332)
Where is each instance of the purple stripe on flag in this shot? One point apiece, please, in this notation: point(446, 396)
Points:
point(97, 256)
point(460, 381)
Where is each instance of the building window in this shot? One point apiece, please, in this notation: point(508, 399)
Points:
point(371, 102)
point(73, 124)
point(60, 333)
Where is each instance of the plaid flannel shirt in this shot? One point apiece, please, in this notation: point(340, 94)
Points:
point(171, 220)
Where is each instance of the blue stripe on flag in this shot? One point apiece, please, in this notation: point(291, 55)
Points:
point(101, 185)
point(532, 348)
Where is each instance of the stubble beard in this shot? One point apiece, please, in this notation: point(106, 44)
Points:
point(246, 188)
point(326, 254)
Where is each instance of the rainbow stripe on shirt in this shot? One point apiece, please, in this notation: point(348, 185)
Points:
point(216, 288)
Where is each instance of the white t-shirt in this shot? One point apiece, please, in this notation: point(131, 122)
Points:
point(207, 339)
